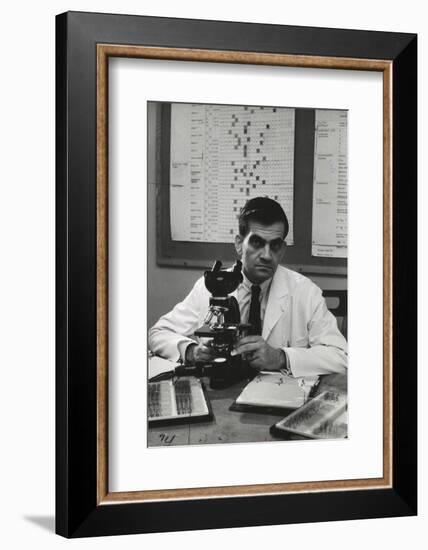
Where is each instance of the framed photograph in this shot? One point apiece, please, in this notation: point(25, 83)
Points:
point(236, 248)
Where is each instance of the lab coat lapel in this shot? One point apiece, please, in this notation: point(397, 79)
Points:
point(277, 302)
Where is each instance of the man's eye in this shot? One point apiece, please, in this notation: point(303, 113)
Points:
point(276, 246)
point(257, 243)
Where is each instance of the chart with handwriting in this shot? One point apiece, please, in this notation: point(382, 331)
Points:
point(221, 156)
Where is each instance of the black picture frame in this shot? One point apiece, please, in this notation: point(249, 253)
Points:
point(79, 510)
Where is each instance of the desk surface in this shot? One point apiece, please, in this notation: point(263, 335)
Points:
point(230, 426)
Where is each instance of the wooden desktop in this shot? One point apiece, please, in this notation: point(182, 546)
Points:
point(230, 426)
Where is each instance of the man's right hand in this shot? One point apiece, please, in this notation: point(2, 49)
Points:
point(199, 353)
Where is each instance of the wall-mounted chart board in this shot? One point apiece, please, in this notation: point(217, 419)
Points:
point(212, 158)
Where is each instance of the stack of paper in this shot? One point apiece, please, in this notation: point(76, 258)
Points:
point(158, 365)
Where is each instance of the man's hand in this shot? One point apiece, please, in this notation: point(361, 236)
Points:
point(199, 353)
point(260, 354)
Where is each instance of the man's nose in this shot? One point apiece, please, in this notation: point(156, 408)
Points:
point(266, 252)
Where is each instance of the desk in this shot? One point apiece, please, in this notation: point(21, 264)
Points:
point(230, 426)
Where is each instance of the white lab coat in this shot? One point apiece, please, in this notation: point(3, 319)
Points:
point(296, 320)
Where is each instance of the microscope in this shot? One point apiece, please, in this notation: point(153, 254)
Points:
point(222, 326)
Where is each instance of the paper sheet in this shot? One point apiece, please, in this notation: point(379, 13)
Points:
point(221, 156)
point(158, 365)
point(330, 193)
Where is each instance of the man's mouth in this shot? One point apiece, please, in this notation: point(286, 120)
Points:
point(268, 267)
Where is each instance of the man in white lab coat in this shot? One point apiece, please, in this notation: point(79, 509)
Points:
point(297, 332)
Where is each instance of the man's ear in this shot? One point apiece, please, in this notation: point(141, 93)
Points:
point(238, 245)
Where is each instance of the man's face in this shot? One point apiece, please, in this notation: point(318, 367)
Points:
point(261, 250)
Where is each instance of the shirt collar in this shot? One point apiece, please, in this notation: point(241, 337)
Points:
point(247, 284)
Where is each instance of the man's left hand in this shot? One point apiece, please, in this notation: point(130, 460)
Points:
point(260, 354)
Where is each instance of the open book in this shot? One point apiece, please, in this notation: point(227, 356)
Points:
point(275, 390)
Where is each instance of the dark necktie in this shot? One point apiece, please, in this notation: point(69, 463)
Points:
point(254, 316)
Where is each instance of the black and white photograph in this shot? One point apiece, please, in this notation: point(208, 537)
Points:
point(247, 298)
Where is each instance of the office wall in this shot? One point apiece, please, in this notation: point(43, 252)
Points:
point(169, 285)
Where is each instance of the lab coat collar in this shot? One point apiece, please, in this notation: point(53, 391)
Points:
point(277, 301)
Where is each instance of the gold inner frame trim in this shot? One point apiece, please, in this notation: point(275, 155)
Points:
point(104, 51)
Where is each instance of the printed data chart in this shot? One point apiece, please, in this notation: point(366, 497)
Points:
point(221, 156)
point(330, 198)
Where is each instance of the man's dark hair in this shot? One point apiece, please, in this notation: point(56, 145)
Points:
point(262, 210)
